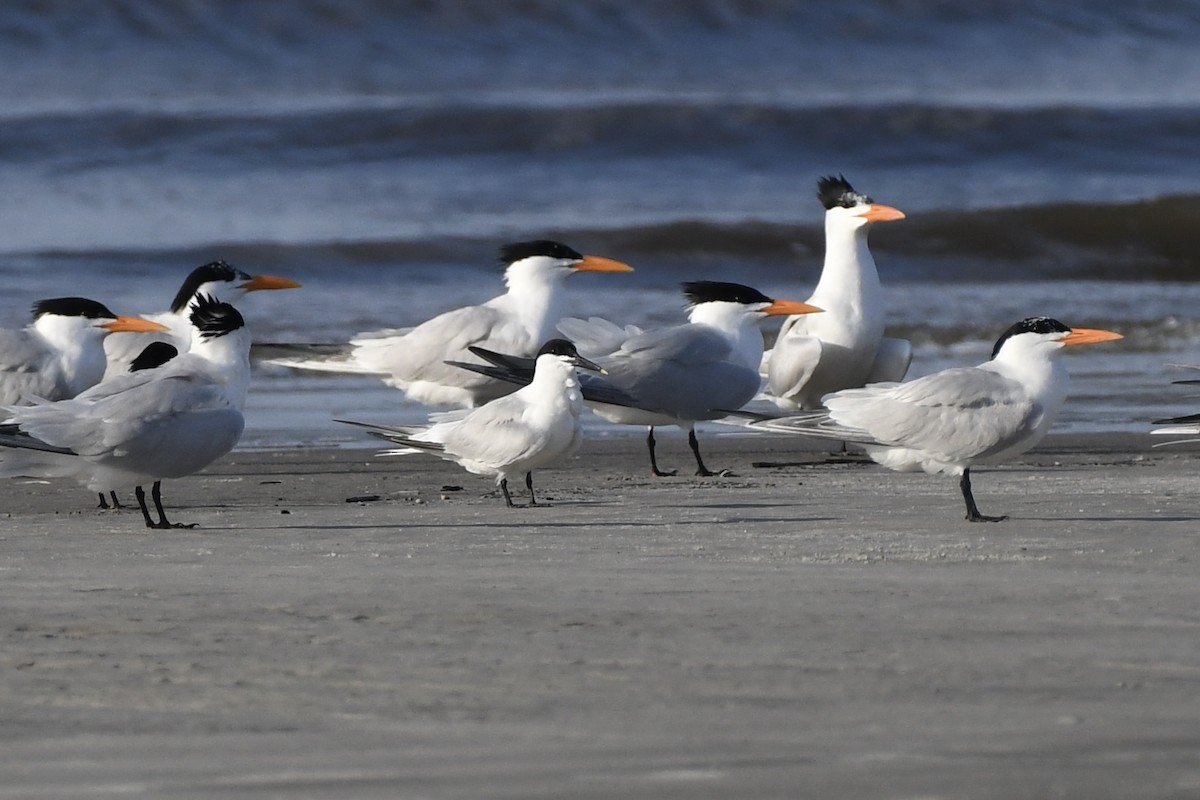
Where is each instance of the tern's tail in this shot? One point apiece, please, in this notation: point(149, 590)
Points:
point(337, 358)
point(399, 435)
point(810, 423)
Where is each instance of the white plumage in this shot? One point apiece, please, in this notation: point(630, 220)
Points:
point(143, 426)
point(518, 321)
point(678, 375)
point(526, 430)
point(215, 280)
point(951, 420)
point(845, 346)
point(61, 352)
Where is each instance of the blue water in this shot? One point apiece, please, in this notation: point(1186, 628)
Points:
point(380, 152)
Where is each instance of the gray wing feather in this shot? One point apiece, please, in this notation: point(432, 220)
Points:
point(25, 369)
point(420, 354)
point(685, 371)
point(956, 413)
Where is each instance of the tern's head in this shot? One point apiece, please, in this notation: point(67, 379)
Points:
point(220, 280)
point(543, 259)
point(78, 316)
point(564, 351)
point(715, 302)
point(212, 319)
point(849, 210)
point(1043, 336)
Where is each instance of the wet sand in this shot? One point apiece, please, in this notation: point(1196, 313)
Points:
point(804, 627)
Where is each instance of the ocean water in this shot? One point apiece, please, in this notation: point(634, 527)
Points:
point(380, 153)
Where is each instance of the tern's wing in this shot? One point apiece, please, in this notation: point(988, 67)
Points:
point(26, 369)
point(145, 416)
point(892, 360)
point(495, 434)
point(966, 412)
point(685, 371)
point(596, 336)
point(420, 355)
point(519, 372)
point(794, 358)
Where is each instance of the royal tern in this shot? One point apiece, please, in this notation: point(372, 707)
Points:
point(215, 280)
point(528, 429)
point(678, 375)
point(949, 421)
point(518, 321)
point(61, 352)
point(844, 347)
point(146, 425)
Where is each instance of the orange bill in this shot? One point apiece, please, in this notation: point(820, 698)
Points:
point(783, 308)
point(601, 264)
point(1089, 336)
point(881, 213)
point(261, 282)
point(134, 325)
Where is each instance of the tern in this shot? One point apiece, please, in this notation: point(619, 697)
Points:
point(1188, 425)
point(951, 420)
point(699, 370)
point(844, 347)
point(528, 429)
point(61, 352)
point(215, 280)
point(518, 322)
point(148, 425)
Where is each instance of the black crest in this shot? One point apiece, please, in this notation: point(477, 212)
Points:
point(512, 253)
point(698, 292)
point(153, 355)
point(212, 271)
point(1030, 325)
point(834, 192)
point(72, 307)
point(214, 319)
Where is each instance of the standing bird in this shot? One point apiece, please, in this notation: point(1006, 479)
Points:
point(147, 425)
point(61, 352)
point(518, 321)
point(844, 347)
point(699, 370)
point(526, 430)
point(216, 280)
point(949, 421)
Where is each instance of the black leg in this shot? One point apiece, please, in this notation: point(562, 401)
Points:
point(156, 494)
point(115, 502)
point(973, 514)
point(529, 486)
point(140, 494)
point(695, 445)
point(507, 497)
point(653, 461)
point(103, 501)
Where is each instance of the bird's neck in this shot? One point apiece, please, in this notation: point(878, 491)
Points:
point(741, 329)
point(554, 384)
point(228, 363)
point(78, 350)
point(1044, 379)
point(537, 302)
point(849, 269)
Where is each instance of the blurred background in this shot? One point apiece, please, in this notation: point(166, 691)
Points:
point(380, 152)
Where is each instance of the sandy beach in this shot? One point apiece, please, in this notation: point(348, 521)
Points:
point(340, 625)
